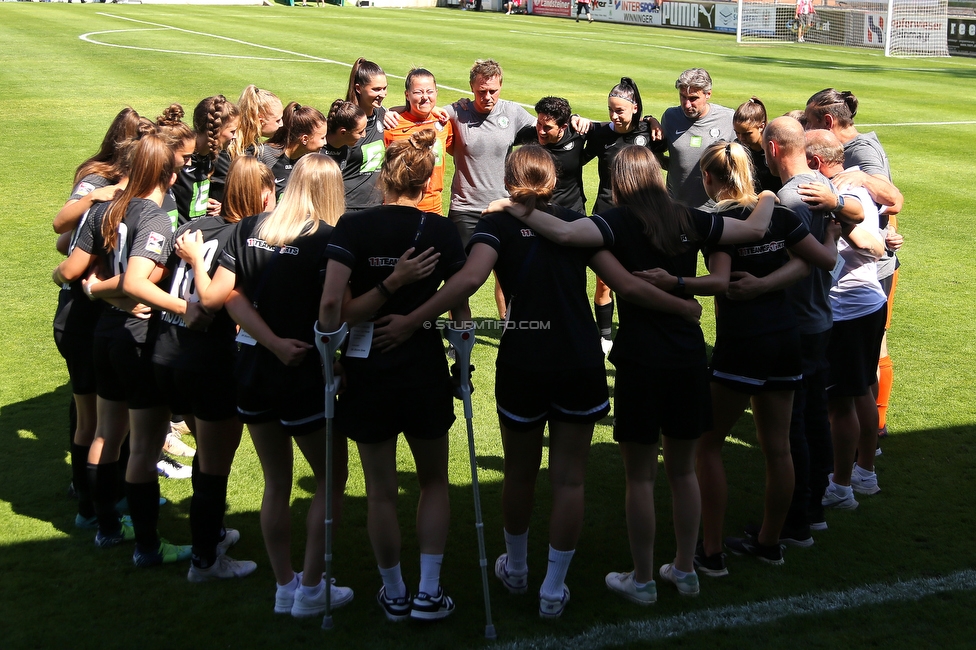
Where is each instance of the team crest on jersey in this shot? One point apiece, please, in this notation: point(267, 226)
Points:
point(503, 122)
point(527, 232)
point(714, 132)
point(568, 147)
point(155, 243)
point(641, 141)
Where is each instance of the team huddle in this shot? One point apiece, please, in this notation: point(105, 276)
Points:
point(198, 254)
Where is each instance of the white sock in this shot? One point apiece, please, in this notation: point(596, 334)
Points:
point(639, 585)
point(517, 547)
point(295, 583)
point(552, 586)
point(678, 573)
point(393, 581)
point(430, 573)
point(863, 473)
point(313, 591)
point(843, 490)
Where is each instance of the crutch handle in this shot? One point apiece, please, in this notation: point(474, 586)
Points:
point(463, 342)
point(327, 344)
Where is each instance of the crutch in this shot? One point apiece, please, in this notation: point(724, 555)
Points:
point(327, 344)
point(463, 342)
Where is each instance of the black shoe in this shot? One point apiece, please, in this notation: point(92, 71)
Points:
point(710, 565)
point(396, 609)
point(431, 608)
point(749, 546)
point(800, 537)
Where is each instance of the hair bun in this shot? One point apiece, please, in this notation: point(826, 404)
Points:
point(423, 139)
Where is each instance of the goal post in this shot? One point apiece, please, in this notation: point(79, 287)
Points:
point(898, 27)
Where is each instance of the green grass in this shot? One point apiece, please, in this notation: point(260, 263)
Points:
point(58, 95)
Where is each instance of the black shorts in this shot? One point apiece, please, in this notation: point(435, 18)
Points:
point(124, 373)
point(206, 395)
point(268, 391)
point(526, 399)
point(376, 412)
point(756, 364)
point(853, 352)
point(648, 402)
point(78, 352)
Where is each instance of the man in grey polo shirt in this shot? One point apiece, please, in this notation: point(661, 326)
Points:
point(689, 129)
point(484, 132)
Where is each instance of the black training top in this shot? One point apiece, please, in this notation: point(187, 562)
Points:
point(144, 232)
point(192, 188)
point(603, 143)
point(75, 312)
point(567, 154)
point(768, 312)
point(178, 346)
point(647, 337)
point(363, 163)
point(550, 324)
point(370, 242)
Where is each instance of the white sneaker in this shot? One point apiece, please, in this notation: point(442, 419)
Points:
point(231, 537)
point(553, 608)
point(305, 605)
point(863, 481)
point(223, 567)
point(516, 584)
point(174, 445)
point(687, 586)
point(285, 595)
point(623, 584)
point(838, 496)
point(169, 468)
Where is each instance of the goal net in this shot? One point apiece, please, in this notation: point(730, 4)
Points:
point(899, 27)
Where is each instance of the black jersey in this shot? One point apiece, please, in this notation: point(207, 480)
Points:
point(763, 179)
point(282, 168)
point(192, 188)
point(567, 154)
point(370, 242)
point(363, 163)
point(603, 143)
point(647, 337)
point(768, 312)
point(549, 322)
point(144, 232)
point(178, 346)
point(75, 311)
point(219, 177)
point(339, 155)
point(88, 183)
point(284, 283)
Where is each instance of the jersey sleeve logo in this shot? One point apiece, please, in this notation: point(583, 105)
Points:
point(155, 243)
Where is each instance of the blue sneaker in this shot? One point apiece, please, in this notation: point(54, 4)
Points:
point(126, 534)
point(86, 522)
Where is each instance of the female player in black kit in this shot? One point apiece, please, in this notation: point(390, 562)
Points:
point(131, 240)
point(662, 376)
point(346, 126)
point(96, 181)
point(555, 374)
point(367, 89)
point(192, 368)
point(302, 132)
point(413, 382)
point(215, 123)
point(604, 141)
point(270, 280)
point(756, 355)
point(748, 122)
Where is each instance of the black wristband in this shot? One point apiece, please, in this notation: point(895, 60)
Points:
point(383, 290)
point(681, 285)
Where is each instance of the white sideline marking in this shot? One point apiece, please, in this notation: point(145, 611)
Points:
point(749, 614)
point(161, 26)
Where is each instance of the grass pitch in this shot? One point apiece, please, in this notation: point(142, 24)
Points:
point(60, 92)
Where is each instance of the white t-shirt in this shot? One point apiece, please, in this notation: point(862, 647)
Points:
point(856, 291)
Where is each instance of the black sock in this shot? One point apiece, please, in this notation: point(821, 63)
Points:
point(123, 464)
point(206, 515)
point(72, 420)
point(604, 318)
point(144, 510)
point(79, 478)
point(103, 481)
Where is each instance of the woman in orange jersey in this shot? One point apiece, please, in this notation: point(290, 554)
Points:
point(421, 94)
